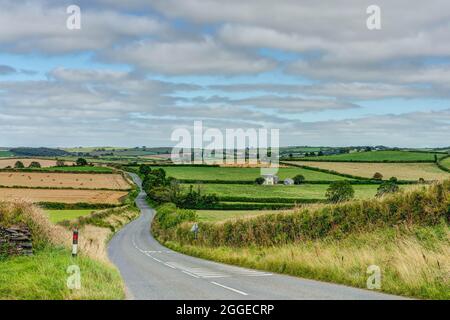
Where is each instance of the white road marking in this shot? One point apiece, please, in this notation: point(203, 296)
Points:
point(232, 289)
point(192, 275)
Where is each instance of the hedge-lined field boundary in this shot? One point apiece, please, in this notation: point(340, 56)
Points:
point(268, 200)
point(64, 188)
point(425, 206)
point(359, 161)
point(244, 206)
point(440, 166)
point(75, 206)
point(44, 170)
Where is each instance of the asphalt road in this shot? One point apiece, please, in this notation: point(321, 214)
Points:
point(151, 271)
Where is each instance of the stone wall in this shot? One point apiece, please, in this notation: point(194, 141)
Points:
point(15, 241)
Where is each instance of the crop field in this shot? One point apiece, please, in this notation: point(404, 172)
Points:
point(403, 171)
point(243, 174)
point(45, 163)
point(63, 180)
point(220, 215)
point(60, 215)
point(304, 191)
point(380, 156)
point(76, 169)
point(62, 195)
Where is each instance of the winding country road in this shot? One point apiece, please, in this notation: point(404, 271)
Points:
point(151, 271)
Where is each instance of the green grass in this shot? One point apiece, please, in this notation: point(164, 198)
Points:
point(5, 153)
point(43, 277)
point(304, 191)
point(379, 156)
point(61, 215)
point(446, 162)
point(220, 215)
point(243, 174)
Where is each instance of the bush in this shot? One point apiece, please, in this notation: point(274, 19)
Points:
point(299, 179)
point(340, 191)
point(34, 164)
point(378, 176)
point(19, 165)
point(60, 163)
point(259, 180)
point(386, 188)
point(81, 162)
point(169, 216)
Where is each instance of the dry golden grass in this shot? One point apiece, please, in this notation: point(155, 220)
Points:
point(61, 195)
point(63, 180)
point(403, 171)
point(45, 163)
point(409, 266)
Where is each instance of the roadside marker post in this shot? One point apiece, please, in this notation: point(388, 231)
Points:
point(75, 243)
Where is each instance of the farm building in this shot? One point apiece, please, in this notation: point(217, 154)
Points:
point(270, 179)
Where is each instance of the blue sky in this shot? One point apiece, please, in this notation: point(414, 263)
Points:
point(136, 72)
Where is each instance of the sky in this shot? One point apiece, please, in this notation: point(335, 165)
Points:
point(138, 70)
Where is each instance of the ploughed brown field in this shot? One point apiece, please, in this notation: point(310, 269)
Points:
point(61, 195)
point(403, 171)
point(63, 180)
point(44, 162)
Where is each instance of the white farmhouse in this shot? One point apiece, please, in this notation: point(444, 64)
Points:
point(270, 179)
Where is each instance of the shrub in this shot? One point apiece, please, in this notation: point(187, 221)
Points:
point(19, 165)
point(340, 191)
point(145, 169)
point(81, 162)
point(299, 179)
point(34, 164)
point(386, 188)
point(378, 176)
point(60, 163)
point(259, 180)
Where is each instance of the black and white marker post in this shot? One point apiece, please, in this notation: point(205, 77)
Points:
point(75, 243)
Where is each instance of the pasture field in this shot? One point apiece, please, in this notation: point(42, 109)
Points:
point(45, 163)
point(403, 171)
point(62, 195)
point(304, 191)
point(446, 162)
point(380, 156)
point(5, 153)
point(63, 180)
point(220, 215)
point(60, 215)
point(243, 174)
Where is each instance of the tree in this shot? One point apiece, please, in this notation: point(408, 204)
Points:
point(340, 191)
point(34, 164)
point(144, 169)
point(378, 176)
point(299, 179)
point(393, 179)
point(386, 188)
point(60, 163)
point(421, 180)
point(81, 162)
point(19, 165)
point(260, 180)
point(435, 158)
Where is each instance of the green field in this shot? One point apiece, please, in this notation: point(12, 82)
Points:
point(446, 162)
point(379, 156)
point(61, 215)
point(305, 191)
point(243, 174)
point(5, 153)
point(220, 215)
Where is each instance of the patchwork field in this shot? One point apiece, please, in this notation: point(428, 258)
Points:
point(380, 156)
point(244, 174)
point(5, 153)
point(304, 191)
point(45, 163)
point(62, 195)
point(403, 171)
point(60, 215)
point(63, 180)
